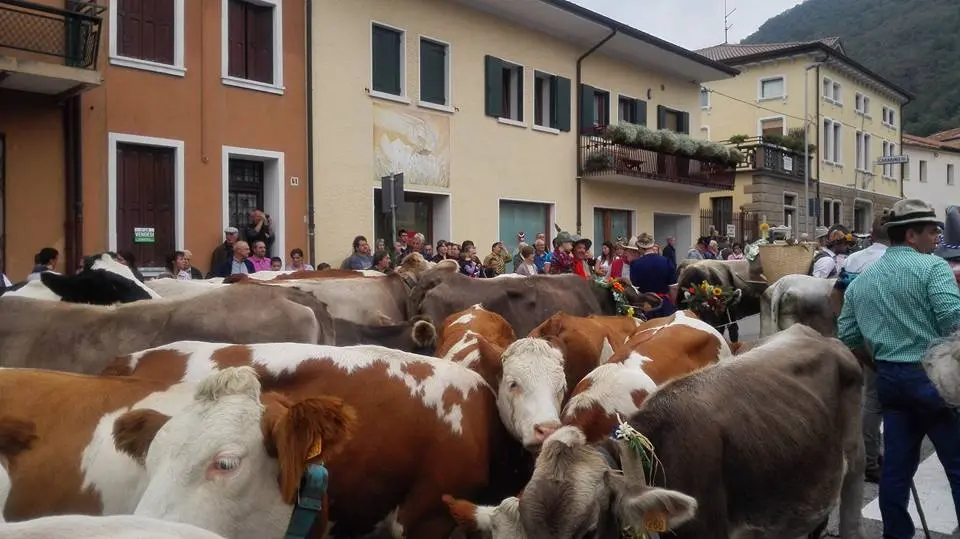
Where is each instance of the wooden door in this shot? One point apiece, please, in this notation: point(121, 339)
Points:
point(145, 200)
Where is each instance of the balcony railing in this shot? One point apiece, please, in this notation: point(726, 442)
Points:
point(766, 157)
point(601, 157)
point(71, 34)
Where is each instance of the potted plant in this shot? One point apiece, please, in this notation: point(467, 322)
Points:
point(598, 161)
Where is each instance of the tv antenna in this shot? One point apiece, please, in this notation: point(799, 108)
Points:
point(726, 18)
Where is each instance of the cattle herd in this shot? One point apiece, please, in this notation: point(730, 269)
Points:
point(422, 404)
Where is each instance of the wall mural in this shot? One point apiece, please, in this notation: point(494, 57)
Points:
point(413, 142)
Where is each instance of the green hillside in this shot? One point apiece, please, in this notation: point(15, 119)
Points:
point(914, 43)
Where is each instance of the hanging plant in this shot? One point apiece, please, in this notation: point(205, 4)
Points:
point(624, 134)
point(710, 151)
point(687, 146)
point(734, 157)
point(670, 143)
point(737, 139)
point(648, 139)
point(598, 161)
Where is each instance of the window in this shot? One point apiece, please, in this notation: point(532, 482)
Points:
point(862, 215)
point(147, 35)
point(789, 209)
point(950, 178)
point(831, 214)
point(889, 149)
point(773, 88)
point(889, 117)
point(595, 108)
point(837, 212)
point(836, 93)
point(434, 72)
point(527, 217)
point(705, 132)
point(704, 98)
point(611, 225)
point(863, 104)
point(672, 119)
point(923, 171)
point(772, 126)
point(863, 152)
point(632, 110)
point(504, 92)
point(831, 91)
point(551, 101)
point(253, 49)
point(832, 137)
point(601, 107)
point(387, 50)
point(721, 209)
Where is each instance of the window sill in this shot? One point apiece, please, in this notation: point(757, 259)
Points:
point(514, 123)
point(864, 114)
point(833, 102)
point(252, 85)
point(147, 65)
point(435, 106)
point(389, 97)
point(891, 126)
point(544, 129)
point(775, 98)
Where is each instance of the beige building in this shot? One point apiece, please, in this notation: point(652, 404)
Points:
point(477, 103)
point(853, 119)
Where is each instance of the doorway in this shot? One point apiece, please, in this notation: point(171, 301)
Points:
point(679, 227)
point(145, 202)
point(245, 192)
point(611, 225)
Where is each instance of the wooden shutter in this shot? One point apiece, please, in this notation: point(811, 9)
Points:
point(164, 32)
point(236, 39)
point(561, 101)
point(493, 82)
point(129, 28)
point(433, 72)
point(519, 94)
point(260, 43)
point(684, 123)
point(661, 117)
point(386, 61)
point(586, 108)
point(640, 111)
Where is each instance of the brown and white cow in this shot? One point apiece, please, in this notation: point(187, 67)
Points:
point(85, 338)
point(802, 449)
point(77, 444)
point(429, 426)
point(454, 334)
point(524, 303)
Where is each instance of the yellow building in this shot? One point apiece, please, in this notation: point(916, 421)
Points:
point(854, 119)
point(477, 103)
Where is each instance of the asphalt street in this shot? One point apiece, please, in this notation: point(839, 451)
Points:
point(931, 481)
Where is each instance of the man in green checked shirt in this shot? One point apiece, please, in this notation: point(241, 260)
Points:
point(894, 310)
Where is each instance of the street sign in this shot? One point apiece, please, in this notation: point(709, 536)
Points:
point(893, 160)
point(144, 235)
point(731, 231)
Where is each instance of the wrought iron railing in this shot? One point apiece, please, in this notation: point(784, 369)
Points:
point(765, 156)
point(601, 157)
point(71, 34)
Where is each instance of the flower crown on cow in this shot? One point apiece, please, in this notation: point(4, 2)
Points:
point(708, 296)
point(620, 299)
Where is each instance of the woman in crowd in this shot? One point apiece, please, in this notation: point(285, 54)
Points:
point(605, 260)
point(469, 263)
point(526, 265)
point(296, 261)
point(737, 253)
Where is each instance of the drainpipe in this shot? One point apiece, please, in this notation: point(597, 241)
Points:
point(902, 165)
point(73, 180)
point(819, 153)
point(613, 32)
point(311, 221)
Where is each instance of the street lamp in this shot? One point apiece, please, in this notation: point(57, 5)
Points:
point(806, 146)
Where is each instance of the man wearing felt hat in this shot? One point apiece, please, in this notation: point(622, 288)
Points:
point(828, 260)
point(651, 272)
point(894, 310)
point(561, 260)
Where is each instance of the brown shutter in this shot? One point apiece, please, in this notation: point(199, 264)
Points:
point(260, 47)
point(164, 31)
point(236, 28)
point(129, 28)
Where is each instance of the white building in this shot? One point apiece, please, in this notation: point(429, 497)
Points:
point(931, 174)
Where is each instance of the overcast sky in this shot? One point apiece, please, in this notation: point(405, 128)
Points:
point(693, 24)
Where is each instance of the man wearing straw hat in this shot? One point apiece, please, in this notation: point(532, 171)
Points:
point(894, 310)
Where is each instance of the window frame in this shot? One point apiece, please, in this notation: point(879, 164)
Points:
point(836, 89)
point(833, 130)
point(922, 170)
point(863, 109)
point(951, 174)
point(605, 121)
point(783, 124)
point(550, 82)
point(704, 91)
point(402, 97)
point(863, 162)
point(517, 87)
point(177, 68)
point(791, 207)
point(277, 86)
point(762, 80)
point(448, 73)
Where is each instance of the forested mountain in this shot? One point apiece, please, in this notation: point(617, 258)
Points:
point(913, 43)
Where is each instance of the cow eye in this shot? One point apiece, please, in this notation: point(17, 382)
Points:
point(513, 385)
point(225, 464)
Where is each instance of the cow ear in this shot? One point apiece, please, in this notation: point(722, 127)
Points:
point(306, 431)
point(735, 297)
point(491, 366)
point(653, 509)
point(424, 333)
point(557, 343)
point(133, 432)
point(59, 284)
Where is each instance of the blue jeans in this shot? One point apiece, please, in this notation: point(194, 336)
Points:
point(912, 409)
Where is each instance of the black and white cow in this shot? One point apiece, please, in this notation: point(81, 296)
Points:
point(103, 281)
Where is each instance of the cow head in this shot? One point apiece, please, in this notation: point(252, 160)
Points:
point(228, 463)
point(716, 273)
point(532, 389)
point(641, 302)
point(500, 522)
point(574, 492)
point(103, 281)
point(942, 364)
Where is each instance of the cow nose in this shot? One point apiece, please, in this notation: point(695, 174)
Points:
point(541, 432)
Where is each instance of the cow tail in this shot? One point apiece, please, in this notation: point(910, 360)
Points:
point(326, 332)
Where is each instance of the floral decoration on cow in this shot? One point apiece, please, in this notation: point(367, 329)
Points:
point(623, 306)
point(708, 296)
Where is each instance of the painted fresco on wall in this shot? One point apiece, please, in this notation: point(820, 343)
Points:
point(413, 142)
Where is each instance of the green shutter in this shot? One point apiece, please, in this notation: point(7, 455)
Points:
point(493, 80)
point(685, 123)
point(640, 111)
point(519, 96)
point(586, 108)
point(386, 60)
point(561, 100)
point(433, 72)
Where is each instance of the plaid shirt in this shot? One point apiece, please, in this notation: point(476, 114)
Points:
point(899, 305)
point(561, 262)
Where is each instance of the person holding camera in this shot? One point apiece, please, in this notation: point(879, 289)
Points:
point(260, 229)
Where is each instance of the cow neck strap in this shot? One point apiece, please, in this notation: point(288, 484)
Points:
point(309, 504)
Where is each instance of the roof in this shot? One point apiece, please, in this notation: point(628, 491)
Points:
point(950, 135)
point(745, 53)
point(931, 143)
point(575, 24)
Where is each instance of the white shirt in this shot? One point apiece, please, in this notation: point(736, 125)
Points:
point(825, 265)
point(863, 259)
point(6, 282)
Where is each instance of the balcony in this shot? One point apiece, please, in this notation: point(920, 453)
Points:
point(605, 160)
point(770, 158)
point(49, 50)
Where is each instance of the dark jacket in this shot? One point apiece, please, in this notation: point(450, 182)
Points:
point(654, 273)
point(221, 254)
point(223, 270)
point(265, 235)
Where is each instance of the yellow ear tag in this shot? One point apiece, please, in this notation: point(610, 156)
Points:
point(655, 521)
point(315, 450)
